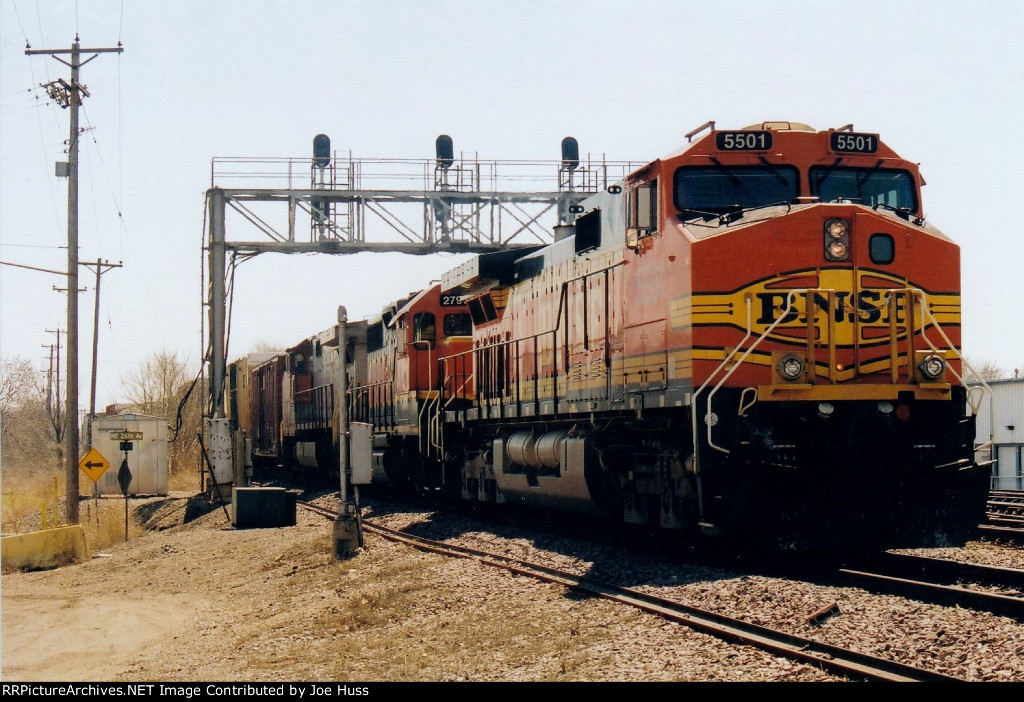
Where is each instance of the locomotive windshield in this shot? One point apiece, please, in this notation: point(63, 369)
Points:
point(867, 186)
point(718, 189)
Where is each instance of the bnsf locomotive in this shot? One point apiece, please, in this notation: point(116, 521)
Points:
point(756, 338)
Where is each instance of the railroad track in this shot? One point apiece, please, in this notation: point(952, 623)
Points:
point(1004, 517)
point(833, 659)
point(1002, 533)
point(1005, 510)
point(932, 580)
point(937, 581)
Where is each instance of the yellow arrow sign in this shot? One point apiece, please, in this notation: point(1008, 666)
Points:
point(94, 464)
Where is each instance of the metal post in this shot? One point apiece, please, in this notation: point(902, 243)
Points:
point(342, 334)
point(347, 536)
point(217, 303)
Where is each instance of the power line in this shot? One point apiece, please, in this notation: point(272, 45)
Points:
point(32, 268)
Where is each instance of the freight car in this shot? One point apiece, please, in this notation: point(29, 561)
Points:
point(756, 338)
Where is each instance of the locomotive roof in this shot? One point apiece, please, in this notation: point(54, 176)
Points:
point(410, 303)
point(701, 142)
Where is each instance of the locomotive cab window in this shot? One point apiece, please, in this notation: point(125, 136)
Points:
point(423, 328)
point(641, 212)
point(715, 190)
point(882, 249)
point(460, 324)
point(866, 186)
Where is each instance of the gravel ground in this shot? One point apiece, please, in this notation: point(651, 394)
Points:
point(201, 601)
point(973, 645)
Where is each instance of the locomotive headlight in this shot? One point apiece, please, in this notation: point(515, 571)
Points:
point(837, 228)
point(791, 367)
point(837, 250)
point(932, 367)
point(837, 239)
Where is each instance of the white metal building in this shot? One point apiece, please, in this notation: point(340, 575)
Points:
point(1001, 421)
point(147, 459)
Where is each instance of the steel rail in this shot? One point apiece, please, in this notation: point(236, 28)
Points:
point(947, 595)
point(1005, 518)
point(1007, 533)
point(952, 571)
point(824, 656)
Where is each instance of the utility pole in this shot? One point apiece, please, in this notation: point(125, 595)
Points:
point(101, 267)
point(71, 95)
point(53, 407)
point(49, 381)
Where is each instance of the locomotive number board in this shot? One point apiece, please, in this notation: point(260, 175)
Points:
point(452, 300)
point(743, 141)
point(851, 142)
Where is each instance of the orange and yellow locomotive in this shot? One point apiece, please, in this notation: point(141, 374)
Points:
point(756, 337)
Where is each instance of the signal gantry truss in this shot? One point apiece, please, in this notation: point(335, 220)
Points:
point(413, 206)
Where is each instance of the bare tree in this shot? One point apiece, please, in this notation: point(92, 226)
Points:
point(29, 434)
point(17, 377)
point(163, 386)
point(982, 370)
point(262, 346)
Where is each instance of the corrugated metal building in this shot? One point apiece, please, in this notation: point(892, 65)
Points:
point(1001, 421)
point(147, 459)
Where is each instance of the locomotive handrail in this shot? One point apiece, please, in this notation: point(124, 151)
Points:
point(926, 314)
point(430, 391)
point(314, 406)
point(381, 411)
point(561, 313)
point(790, 300)
point(434, 435)
point(508, 342)
point(928, 319)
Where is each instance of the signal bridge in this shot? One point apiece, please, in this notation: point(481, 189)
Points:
point(417, 206)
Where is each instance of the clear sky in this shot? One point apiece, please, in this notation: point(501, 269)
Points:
point(941, 82)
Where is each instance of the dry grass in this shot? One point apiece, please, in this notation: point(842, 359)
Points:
point(183, 479)
point(34, 499)
point(103, 522)
point(31, 502)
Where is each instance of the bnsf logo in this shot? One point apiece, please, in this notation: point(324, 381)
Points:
point(870, 306)
point(860, 313)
